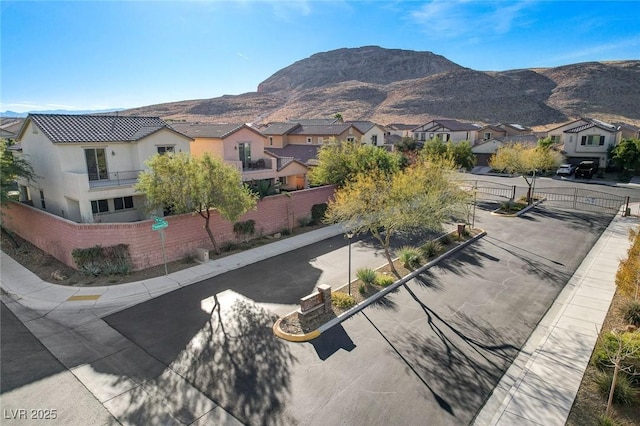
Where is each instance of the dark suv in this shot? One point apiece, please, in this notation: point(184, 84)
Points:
point(586, 169)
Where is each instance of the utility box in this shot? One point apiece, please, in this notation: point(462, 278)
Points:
point(202, 254)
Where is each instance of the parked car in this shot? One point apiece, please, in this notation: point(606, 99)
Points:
point(565, 170)
point(586, 169)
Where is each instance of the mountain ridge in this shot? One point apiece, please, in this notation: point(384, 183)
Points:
point(395, 85)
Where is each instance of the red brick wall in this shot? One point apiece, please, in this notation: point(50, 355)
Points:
point(185, 233)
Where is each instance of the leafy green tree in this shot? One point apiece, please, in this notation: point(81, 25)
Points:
point(340, 162)
point(11, 168)
point(525, 160)
point(407, 144)
point(626, 155)
point(202, 185)
point(460, 152)
point(420, 197)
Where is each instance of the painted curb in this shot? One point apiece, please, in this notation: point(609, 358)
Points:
point(382, 293)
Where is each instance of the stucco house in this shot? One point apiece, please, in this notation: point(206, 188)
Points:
point(586, 139)
point(372, 134)
point(87, 165)
point(281, 134)
point(483, 150)
point(447, 131)
point(243, 147)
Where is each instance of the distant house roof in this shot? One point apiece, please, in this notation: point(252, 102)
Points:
point(321, 129)
point(523, 139)
point(95, 128)
point(362, 126)
point(453, 125)
point(197, 130)
point(302, 153)
point(278, 129)
point(316, 121)
point(515, 126)
point(494, 127)
point(399, 126)
point(592, 122)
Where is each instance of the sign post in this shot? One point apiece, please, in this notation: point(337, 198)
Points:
point(159, 226)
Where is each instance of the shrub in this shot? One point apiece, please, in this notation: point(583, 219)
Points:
point(342, 300)
point(605, 420)
point(285, 231)
point(383, 280)
point(362, 288)
point(366, 275)
point(431, 248)
point(230, 246)
point(103, 260)
point(409, 256)
point(623, 394)
point(91, 268)
point(244, 229)
point(305, 221)
point(631, 312)
point(317, 212)
point(445, 239)
point(608, 345)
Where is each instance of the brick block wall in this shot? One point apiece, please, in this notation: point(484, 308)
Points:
point(185, 233)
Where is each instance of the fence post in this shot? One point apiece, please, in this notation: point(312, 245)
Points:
point(627, 210)
point(513, 192)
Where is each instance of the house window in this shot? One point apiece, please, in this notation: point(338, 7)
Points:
point(350, 139)
point(309, 140)
point(283, 180)
point(164, 149)
point(99, 206)
point(320, 140)
point(122, 203)
point(555, 138)
point(374, 139)
point(444, 137)
point(487, 136)
point(271, 140)
point(244, 154)
point(96, 163)
point(592, 140)
point(44, 205)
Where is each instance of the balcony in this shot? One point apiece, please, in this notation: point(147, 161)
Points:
point(126, 178)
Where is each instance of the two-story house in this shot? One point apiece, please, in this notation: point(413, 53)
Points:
point(447, 131)
point(372, 134)
point(586, 139)
point(87, 165)
point(243, 147)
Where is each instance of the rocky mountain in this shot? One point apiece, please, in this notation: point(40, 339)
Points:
point(403, 86)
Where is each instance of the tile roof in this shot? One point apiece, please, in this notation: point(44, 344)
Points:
point(592, 122)
point(314, 121)
point(95, 128)
point(363, 126)
point(453, 125)
point(302, 153)
point(278, 128)
point(322, 129)
point(194, 130)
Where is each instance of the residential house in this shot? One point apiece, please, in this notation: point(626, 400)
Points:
point(401, 130)
point(514, 129)
point(9, 127)
point(586, 139)
point(447, 131)
point(490, 132)
point(87, 165)
point(372, 134)
point(243, 147)
point(483, 150)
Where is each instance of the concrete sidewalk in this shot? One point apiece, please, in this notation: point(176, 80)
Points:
point(540, 386)
point(32, 292)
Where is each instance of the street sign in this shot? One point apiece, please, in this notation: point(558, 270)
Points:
point(159, 224)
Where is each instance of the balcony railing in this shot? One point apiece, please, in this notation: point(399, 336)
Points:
point(125, 178)
point(260, 164)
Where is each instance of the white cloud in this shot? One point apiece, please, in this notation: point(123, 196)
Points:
point(592, 52)
point(457, 18)
point(242, 56)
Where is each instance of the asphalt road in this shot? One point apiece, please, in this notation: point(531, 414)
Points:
point(430, 353)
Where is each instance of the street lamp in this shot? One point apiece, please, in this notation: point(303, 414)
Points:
point(349, 236)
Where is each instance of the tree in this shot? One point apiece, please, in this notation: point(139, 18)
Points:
point(626, 155)
point(625, 348)
point(523, 160)
point(628, 274)
point(460, 152)
point(184, 184)
point(421, 197)
point(11, 168)
point(340, 162)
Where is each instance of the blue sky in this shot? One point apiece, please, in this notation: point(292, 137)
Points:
point(124, 54)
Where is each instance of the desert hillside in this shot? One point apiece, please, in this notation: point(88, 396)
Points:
point(395, 86)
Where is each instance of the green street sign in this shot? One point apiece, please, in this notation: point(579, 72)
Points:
point(160, 223)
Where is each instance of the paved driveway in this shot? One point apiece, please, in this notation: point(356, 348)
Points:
point(429, 354)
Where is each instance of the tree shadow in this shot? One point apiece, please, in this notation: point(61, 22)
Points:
point(575, 219)
point(463, 357)
point(234, 359)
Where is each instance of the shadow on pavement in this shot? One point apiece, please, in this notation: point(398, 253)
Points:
point(332, 341)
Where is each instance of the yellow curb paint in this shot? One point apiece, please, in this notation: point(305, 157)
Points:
point(293, 337)
point(84, 297)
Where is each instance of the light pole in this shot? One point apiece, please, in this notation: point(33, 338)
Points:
point(349, 236)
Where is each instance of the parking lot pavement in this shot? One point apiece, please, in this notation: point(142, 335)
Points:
point(434, 349)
